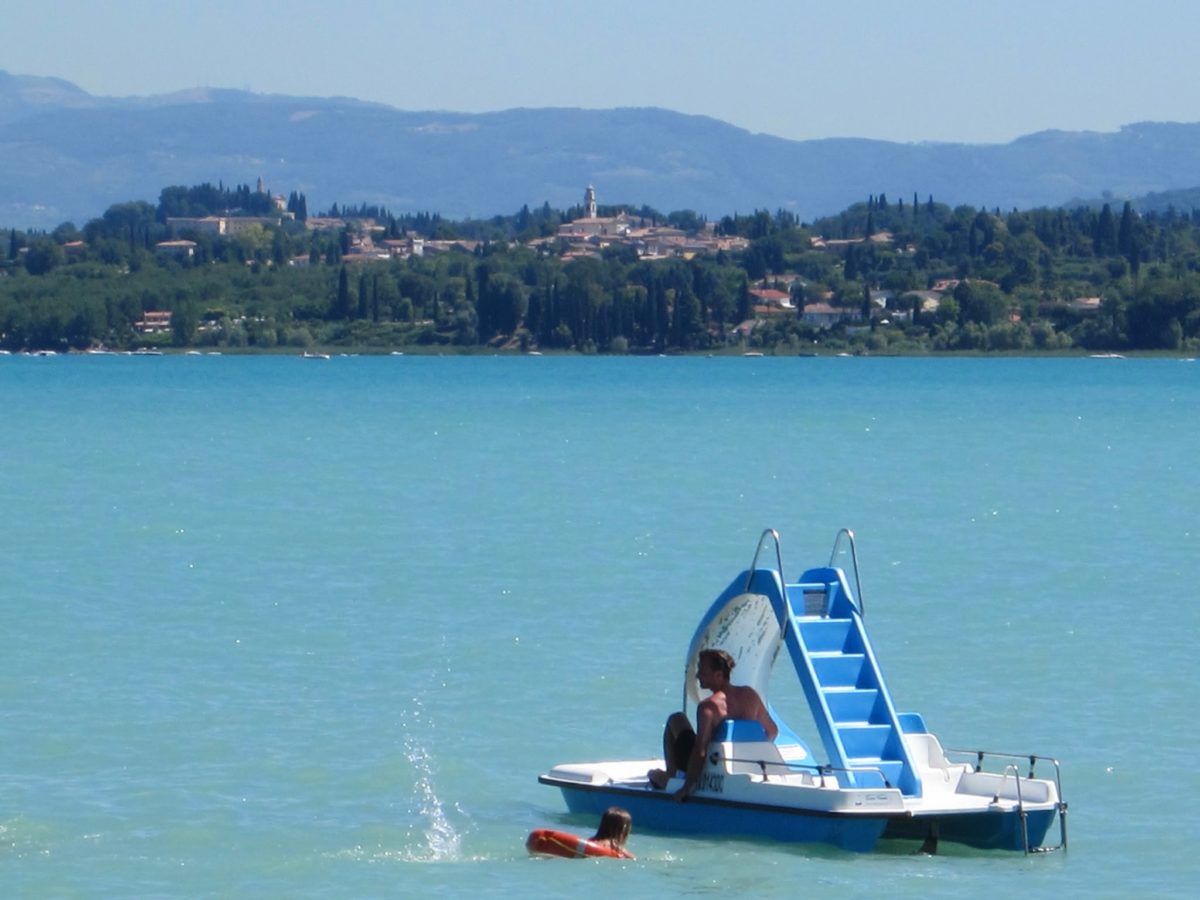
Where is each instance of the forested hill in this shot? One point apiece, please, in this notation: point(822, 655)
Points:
point(65, 155)
point(884, 276)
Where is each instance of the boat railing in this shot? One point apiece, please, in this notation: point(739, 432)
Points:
point(837, 543)
point(816, 768)
point(764, 764)
point(858, 770)
point(774, 535)
point(1012, 768)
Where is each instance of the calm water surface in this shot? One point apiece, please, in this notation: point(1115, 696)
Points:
point(287, 628)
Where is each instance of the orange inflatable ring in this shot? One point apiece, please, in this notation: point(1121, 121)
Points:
point(548, 842)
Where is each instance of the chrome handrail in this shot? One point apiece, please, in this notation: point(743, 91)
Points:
point(837, 541)
point(818, 768)
point(1033, 759)
point(716, 759)
point(1012, 769)
point(778, 558)
point(687, 674)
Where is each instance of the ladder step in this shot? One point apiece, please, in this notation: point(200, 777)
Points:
point(822, 635)
point(838, 669)
point(851, 704)
point(864, 741)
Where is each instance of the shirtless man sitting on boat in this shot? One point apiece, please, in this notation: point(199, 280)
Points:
point(685, 749)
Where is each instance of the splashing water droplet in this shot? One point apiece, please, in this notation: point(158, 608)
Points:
point(442, 841)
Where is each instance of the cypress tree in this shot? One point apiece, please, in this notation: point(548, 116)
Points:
point(1125, 232)
point(342, 311)
point(1104, 237)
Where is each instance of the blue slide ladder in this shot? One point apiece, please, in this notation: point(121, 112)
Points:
point(844, 687)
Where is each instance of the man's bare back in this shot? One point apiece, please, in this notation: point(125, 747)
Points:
point(727, 701)
point(737, 702)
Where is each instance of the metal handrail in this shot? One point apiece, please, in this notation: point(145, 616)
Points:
point(778, 557)
point(1024, 817)
point(837, 541)
point(1033, 759)
point(716, 759)
point(819, 768)
point(687, 674)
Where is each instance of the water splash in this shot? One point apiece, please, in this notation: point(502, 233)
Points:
point(440, 840)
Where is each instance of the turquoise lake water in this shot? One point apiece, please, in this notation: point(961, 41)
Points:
point(277, 627)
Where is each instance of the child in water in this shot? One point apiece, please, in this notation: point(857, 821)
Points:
point(614, 829)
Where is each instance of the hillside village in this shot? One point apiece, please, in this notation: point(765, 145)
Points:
point(588, 236)
point(880, 276)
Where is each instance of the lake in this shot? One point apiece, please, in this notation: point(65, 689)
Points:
point(283, 627)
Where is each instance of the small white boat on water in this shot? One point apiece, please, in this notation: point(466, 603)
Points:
point(883, 776)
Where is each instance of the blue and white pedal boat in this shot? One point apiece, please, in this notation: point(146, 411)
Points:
point(883, 775)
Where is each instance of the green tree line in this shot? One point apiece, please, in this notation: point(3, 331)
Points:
point(1010, 281)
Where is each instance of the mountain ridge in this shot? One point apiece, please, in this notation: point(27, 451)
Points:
point(66, 155)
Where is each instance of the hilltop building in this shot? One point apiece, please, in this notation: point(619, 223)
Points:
point(592, 225)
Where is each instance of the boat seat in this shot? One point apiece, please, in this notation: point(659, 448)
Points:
point(739, 730)
point(791, 746)
point(927, 755)
point(744, 748)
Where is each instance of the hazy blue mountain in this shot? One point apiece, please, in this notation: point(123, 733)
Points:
point(1182, 200)
point(68, 155)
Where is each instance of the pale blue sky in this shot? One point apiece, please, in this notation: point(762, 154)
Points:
point(904, 71)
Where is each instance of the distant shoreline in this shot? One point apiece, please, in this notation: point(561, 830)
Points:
point(330, 353)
